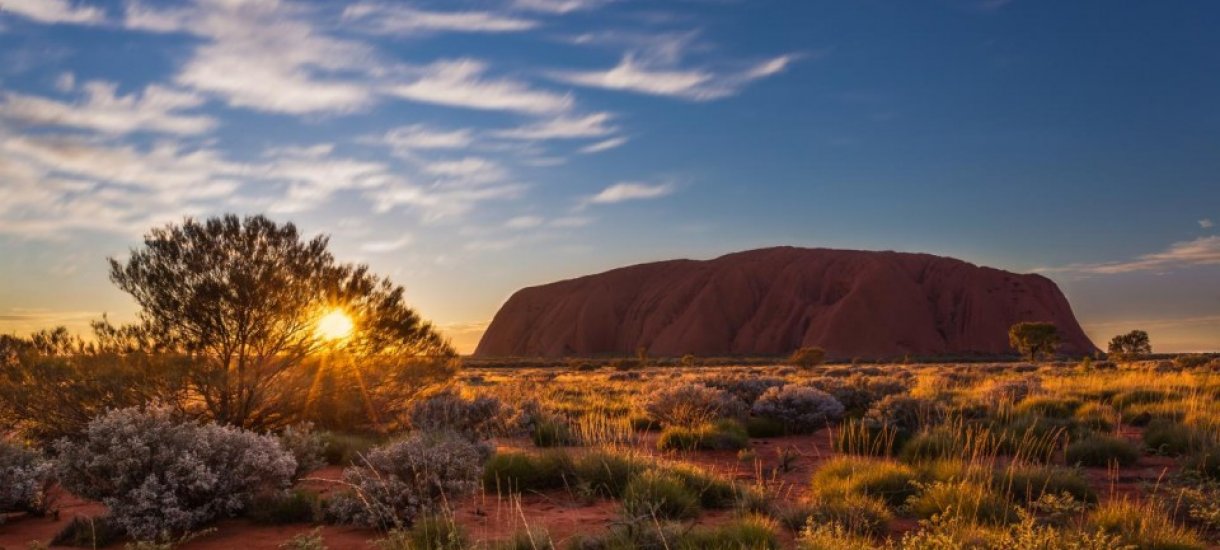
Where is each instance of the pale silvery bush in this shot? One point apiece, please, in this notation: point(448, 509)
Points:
point(799, 408)
point(25, 477)
point(1012, 390)
point(904, 413)
point(746, 388)
point(692, 404)
point(475, 419)
point(397, 482)
point(306, 446)
point(159, 477)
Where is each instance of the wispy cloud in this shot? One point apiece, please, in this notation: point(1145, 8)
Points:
point(1206, 223)
point(464, 83)
point(396, 19)
point(558, 6)
point(379, 247)
point(630, 191)
point(604, 145)
point(157, 109)
point(1199, 252)
point(267, 56)
point(53, 11)
point(416, 137)
point(563, 127)
point(524, 222)
point(635, 75)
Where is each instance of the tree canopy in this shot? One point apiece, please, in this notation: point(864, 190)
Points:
point(1034, 339)
point(1131, 345)
point(241, 297)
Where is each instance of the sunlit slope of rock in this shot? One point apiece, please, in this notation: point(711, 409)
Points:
point(772, 301)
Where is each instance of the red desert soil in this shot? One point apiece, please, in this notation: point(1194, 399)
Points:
point(774, 300)
point(489, 517)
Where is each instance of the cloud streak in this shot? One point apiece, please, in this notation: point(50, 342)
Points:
point(157, 109)
point(1202, 251)
point(393, 19)
point(630, 191)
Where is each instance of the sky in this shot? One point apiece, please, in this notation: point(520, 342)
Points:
point(466, 149)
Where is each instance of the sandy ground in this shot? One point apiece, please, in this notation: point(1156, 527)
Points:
point(490, 517)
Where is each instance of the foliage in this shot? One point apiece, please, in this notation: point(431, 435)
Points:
point(1102, 450)
point(306, 445)
point(807, 357)
point(1034, 340)
point(1142, 526)
point(1132, 345)
point(25, 480)
point(661, 495)
point(724, 435)
point(904, 413)
point(476, 419)
point(398, 481)
point(799, 408)
point(840, 477)
point(240, 296)
point(692, 404)
point(159, 477)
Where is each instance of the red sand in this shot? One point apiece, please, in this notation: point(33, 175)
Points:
point(489, 517)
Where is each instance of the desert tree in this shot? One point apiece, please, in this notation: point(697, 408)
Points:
point(1034, 339)
point(240, 297)
point(1131, 345)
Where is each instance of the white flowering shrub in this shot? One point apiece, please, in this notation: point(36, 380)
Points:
point(306, 445)
point(25, 477)
point(159, 477)
point(397, 482)
point(746, 388)
point(691, 405)
point(475, 419)
point(799, 408)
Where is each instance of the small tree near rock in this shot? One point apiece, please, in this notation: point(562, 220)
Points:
point(1034, 340)
point(1129, 346)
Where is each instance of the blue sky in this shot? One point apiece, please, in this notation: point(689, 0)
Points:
point(467, 149)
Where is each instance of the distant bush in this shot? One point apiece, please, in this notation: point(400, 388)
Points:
point(858, 393)
point(308, 448)
point(807, 357)
point(970, 500)
point(518, 471)
point(904, 413)
point(553, 432)
point(1101, 450)
point(1011, 391)
point(724, 435)
point(657, 494)
point(159, 477)
point(1166, 437)
point(341, 449)
point(839, 477)
point(399, 481)
point(799, 408)
point(746, 388)
point(475, 419)
point(607, 473)
point(692, 404)
point(25, 479)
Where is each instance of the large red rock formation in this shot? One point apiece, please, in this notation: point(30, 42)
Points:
point(772, 301)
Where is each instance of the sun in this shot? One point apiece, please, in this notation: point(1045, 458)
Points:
point(335, 325)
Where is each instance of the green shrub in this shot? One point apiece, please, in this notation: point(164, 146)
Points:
point(975, 502)
point(1101, 450)
point(295, 507)
point(1049, 406)
point(1142, 526)
point(661, 495)
point(526, 539)
point(520, 471)
point(1204, 462)
point(341, 449)
point(1027, 483)
point(936, 444)
point(438, 533)
point(747, 533)
point(890, 481)
point(724, 435)
point(1171, 438)
point(605, 473)
point(1096, 416)
point(859, 514)
point(714, 491)
point(552, 432)
point(1123, 400)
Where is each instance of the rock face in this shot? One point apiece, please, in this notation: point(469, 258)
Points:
point(775, 300)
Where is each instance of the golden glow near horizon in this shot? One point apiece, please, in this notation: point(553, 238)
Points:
point(334, 325)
